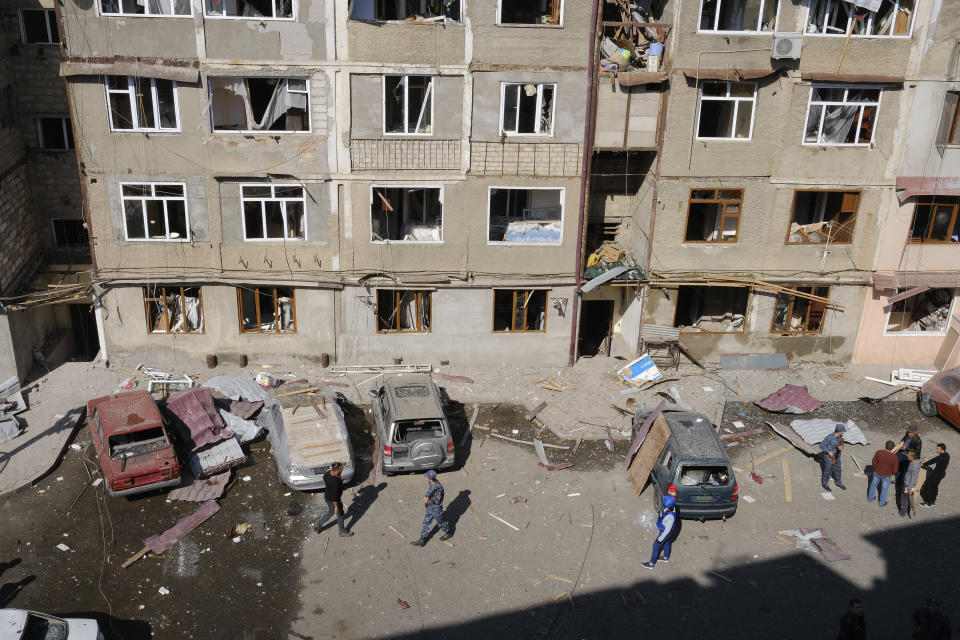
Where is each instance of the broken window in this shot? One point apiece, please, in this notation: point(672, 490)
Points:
point(795, 314)
point(713, 215)
point(273, 211)
point(142, 104)
point(703, 475)
point(738, 15)
point(841, 115)
point(39, 26)
point(726, 110)
point(412, 430)
point(711, 309)
point(408, 105)
point(145, 7)
point(405, 10)
point(406, 214)
point(154, 211)
point(519, 310)
point(936, 220)
point(823, 216)
point(55, 134)
point(403, 311)
point(267, 310)
point(279, 9)
point(132, 443)
point(173, 309)
point(260, 104)
point(70, 234)
point(838, 17)
point(949, 133)
point(927, 312)
point(527, 109)
point(525, 216)
point(529, 12)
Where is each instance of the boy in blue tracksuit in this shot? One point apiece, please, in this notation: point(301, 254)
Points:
point(667, 524)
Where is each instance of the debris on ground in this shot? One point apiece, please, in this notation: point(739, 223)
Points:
point(538, 445)
point(163, 381)
point(161, 542)
point(642, 433)
point(11, 403)
point(790, 398)
point(741, 435)
point(814, 540)
point(646, 520)
point(403, 604)
point(499, 519)
point(794, 438)
point(640, 373)
point(294, 509)
point(239, 387)
point(815, 430)
point(552, 385)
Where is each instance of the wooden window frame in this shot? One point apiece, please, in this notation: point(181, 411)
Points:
point(513, 311)
point(396, 310)
point(276, 311)
point(954, 220)
point(789, 313)
point(723, 215)
point(793, 208)
point(163, 299)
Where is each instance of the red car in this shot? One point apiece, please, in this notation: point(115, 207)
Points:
point(940, 395)
point(136, 454)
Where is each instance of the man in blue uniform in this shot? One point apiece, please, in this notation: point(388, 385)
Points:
point(830, 448)
point(433, 501)
point(667, 524)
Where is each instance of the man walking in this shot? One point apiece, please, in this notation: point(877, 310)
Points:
point(931, 486)
point(332, 493)
point(885, 465)
point(853, 625)
point(908, 504)
point(667, 524)
point(433, 502)
point(831, 446)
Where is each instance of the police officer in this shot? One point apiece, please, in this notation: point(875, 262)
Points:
point(667, 524)
point(433, 501)
point(830, 448)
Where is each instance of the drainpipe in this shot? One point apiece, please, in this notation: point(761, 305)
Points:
point(584, 172)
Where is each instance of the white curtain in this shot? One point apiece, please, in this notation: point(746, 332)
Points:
point(837, 121)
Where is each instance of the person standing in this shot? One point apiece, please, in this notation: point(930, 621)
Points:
point(908, 504)
point(853, 625)
point(929, 623)
point(830, 448)
point(931, 486)
point(667, 524)
point(433, 502)
point(332, 494)
point(885, 465)
point(910, 441)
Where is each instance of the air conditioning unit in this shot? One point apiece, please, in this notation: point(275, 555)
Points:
point(786, 45)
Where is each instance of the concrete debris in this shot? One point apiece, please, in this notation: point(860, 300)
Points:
point(164, 591)
point(814, 431)
point(790, 398)
point(63, 547)
point(675, 394)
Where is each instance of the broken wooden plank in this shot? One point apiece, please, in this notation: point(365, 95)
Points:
point(770, 456)
point(477, 517)
point(299, 391)
point(536, 410)
point(648, 453)
point(450, 378)
point(552, 446)
point(720, 575)
point(316, 407)
point(396, 531)
point(909, 293)
point(560, 466)
point(559, 579)
point(642, 433)
point(686, 352)
point(787, 484)
point(135, 557)
point(625, 412)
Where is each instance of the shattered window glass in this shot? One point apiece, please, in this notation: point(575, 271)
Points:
point(403, 311)
point(525, 216)
point(259, 104)
point(519, 310)
point(267, 310)
point(738, 15)
point(406, 214)
point(927, 312)
point(839, 17)
point(173, 309)
point(841, 115)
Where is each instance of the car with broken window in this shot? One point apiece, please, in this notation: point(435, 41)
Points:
point(133, 446)
point(413, 432)
point(693, 467)
point(21, 624)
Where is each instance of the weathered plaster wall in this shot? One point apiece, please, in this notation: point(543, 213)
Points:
point(534, 45)
point(875, 346)
point(406, 42)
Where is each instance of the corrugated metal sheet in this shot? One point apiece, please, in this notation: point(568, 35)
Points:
point(217, 458)
point(238, 388)
point(814, 431)
point(200, 424)
point(163, 541)
point(201, 489)
point(790, 398)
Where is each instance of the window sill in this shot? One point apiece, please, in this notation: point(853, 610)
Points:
point(854, 36)
point(688, 332)
point(861, 145)
point(152, 131)
point(701, 242)
point(719, 32)
point(935, 242)
point(376, 21)
point(523, 244)
point(177, 16)
point(275, 240)
point(40, 44)
point(406, 241)
point(803, 244)
point(237, 132)
point(394, 333)
point(250, 18)
point(536, 136)
point(519, 25)
point(788, 334)
point(501, 333)
point(393, 134)
point(165, 241)
point(913, 334)
point(176, 333)
point(699, 139)
point(268, 333)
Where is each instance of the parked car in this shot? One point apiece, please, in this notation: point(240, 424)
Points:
point(940, 395)
point(412, 430)
point(134, 448)
point(693, 467)
point(20, 624)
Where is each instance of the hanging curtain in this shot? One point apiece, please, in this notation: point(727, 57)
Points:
point(837, 122)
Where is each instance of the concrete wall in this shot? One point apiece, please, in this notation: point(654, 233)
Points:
point(567, 45)
point(366, 107)
point(43, 328)
point(570, 101)
point(432, 44)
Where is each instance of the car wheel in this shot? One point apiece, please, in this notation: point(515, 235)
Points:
point(926, 405)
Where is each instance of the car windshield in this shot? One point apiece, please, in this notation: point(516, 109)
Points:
point(704, 475)
point(44, 628)
point(410, 430)
point(137, 442)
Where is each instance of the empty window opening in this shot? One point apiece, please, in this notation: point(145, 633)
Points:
point(726, 110)
point(155, 211)
point(408, 105)
point(411, 430)
point(928, 312)
point(841, 116)
point(133, 443)
point(260, 104)
point(838, 17)
point(738, 15)
point(519, 310)
point(707, 309)
point(70, 234)
point(527, 109)
point(526, 216)
point(949, 133)
point(142, 104)
point(39, 26)
point(55, 134)
point(405, 10)
point(794, 314)
point(546, 12)
point(704, 476)
point(173, 309)
point(273, 211)
point(403, 311)
point(713, 215)
point(936, 220)
point(406, 214)
point(249, 8)
point(823, 216)
point(145, 7)
point(267, 310)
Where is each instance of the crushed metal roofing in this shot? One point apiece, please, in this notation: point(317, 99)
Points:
point(790, 398)
point(199, 423)
point(163, 541)
point(217, 458)
point(201, 489)
point(241, 387)
point(814, 431)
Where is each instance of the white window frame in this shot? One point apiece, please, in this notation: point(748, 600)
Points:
point(563, 212)
point(131, 97)
point(847, 88)
point(756, 32)
point(271, 132)
point(283, 209)
point(870, 18)
point(67, 134)
point(222, 15)
point(145, 14)
point(50, 17)
point(143, 206)
point(374, 198)
point(519, 87)
point(500, 22)
point(929, 334)
point(736, 109)
point(431, 91)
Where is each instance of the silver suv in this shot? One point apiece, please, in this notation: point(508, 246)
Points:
point(412, 430)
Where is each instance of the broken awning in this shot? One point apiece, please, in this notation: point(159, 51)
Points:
point(826, 76)
point(911, 279)
point(909, 186)
point(163, 68)
point(728, 75)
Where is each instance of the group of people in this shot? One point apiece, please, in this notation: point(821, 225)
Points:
point(928, 622)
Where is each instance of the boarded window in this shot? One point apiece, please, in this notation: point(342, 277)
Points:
point(713, 215)
point(529, 12)
point(823, 216)
point(249, 8)
point(936, 220)
point(527, 109)
point(726, 110)
point(173, 309)
point(155, 211)
point(39, 26)
point(408, 105)
point(795, 314)
point(839, 17)
point(260, 104)
point(738, 15)
point(928, 312)
point(519, 310)
point(526, 216)
point(403, 311)
point(142, 104)
point(273, 211)
point(406, 214)
point(55, 134)
point(706, 309)
point(267, 310)
point(839, 115)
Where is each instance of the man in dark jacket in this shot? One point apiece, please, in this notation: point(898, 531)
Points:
point(929, 623)
point(853, 626)
point(332, 493)
point(910, 441)
point(931, 486)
